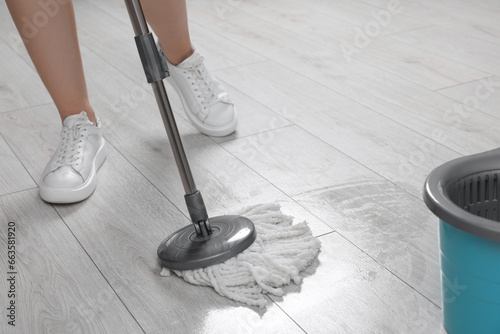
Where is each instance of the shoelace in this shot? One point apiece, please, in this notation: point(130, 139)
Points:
point(209, 92)
point(72, 139)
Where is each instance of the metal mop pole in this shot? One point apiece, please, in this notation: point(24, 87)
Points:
point(213, 240)
point(156, 70)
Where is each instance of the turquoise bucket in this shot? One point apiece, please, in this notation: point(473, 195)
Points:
point(464, 194)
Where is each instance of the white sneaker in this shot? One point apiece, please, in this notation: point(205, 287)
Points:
point(205, 100)
point(70, 175)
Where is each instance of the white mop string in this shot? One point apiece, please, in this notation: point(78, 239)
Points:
point(280, 252)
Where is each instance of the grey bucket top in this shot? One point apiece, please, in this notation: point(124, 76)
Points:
point(437, 198)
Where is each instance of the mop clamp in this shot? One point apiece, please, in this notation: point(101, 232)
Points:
point(153, 61)
point(164, 65)
point(198, 213)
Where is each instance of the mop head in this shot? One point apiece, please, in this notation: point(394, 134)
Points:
point(280, 252)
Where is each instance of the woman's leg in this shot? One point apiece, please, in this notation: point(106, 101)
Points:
point(168, 18)
point(205, 100)
point(52, 43)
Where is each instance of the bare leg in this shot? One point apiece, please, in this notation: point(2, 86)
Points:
point(205, 100)
point(168, 18)
point(52, 43)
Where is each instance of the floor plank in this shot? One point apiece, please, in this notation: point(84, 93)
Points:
point(483, 95)
point(372, 213)
point(420, 109)
point(58, 287)
point(455, 46)
point(345, 299)
point(361, 38)
point(359, 14)
point(20, 87)
point(13, 176)
point(39, 128)
point(418, 66)
point(479, 21)
point(363, 135)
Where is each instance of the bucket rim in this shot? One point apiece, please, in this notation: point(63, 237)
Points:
point(441, 205)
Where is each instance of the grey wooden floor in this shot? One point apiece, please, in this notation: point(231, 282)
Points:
point(345, 107)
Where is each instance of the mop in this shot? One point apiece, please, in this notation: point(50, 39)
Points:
point(243, 256)
point(277, 256)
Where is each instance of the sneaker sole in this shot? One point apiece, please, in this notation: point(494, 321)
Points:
point(202, 127)
point(78, 194)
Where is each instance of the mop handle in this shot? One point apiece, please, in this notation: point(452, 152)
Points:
point(155, 68)
point(156, 71)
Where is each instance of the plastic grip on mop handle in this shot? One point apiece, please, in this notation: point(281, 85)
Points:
point(153, 61)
